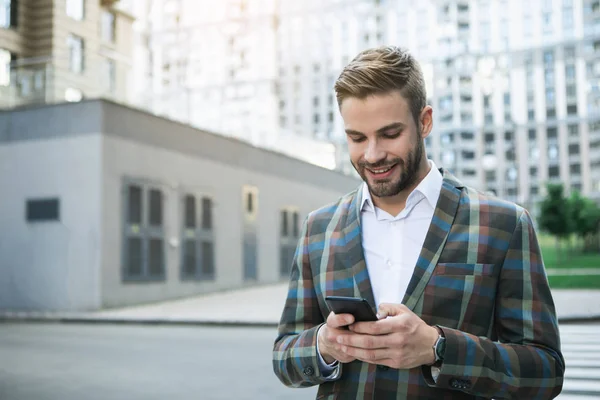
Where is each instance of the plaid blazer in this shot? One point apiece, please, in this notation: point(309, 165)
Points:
point(479, 276)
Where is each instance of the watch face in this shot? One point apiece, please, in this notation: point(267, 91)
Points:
point(440, 348)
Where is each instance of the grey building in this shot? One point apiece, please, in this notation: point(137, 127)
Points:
point(105, 206)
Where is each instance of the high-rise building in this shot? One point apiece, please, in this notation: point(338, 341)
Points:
point(212, 65)
point(53, 51)
point(514, 84)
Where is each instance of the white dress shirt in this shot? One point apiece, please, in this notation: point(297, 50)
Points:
point(392, 244)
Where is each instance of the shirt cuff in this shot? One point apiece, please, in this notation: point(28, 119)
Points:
point(435, 373)
point(328, 371)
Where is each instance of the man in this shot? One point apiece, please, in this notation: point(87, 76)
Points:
point(455, 275)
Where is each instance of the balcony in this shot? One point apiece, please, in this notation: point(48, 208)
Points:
point(35, 81)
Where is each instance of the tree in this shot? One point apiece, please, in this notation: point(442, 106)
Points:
point(585, 217)
point(555, 215)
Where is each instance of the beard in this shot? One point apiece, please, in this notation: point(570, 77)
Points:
point(392, 186)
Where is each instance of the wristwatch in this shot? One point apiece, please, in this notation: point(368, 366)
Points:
point(439, 348)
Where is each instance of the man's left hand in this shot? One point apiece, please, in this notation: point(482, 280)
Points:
point(399, 339)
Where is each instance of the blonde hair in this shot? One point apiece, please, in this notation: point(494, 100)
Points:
point(382, 70)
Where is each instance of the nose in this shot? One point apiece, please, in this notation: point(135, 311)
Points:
point(374, 153)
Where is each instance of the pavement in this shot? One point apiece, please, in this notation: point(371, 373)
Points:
point(258, 306)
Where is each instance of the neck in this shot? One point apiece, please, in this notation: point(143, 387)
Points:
point(394, 205)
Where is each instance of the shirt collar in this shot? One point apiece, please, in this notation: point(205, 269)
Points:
point(430, 187)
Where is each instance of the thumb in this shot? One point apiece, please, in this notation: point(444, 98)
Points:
point(389, 310)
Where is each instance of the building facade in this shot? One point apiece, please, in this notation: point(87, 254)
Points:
point(54, 51)
point(103, 209)
point(513, 84)
point(213, 65)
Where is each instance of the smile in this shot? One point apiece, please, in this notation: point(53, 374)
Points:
point(381, 172)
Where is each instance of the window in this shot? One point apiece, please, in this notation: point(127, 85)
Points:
point(40, 210)
point(575, 169)
point(553, 171)
point(108, 26)
point(468, 155)
point(288, 239)
point(75, 9)
point(533, 171)
point(75, 46)
point(552, 152)
point(144, 237)
point(5, 59)
point(573, 130)
point(197, 258)
point(532, 134)
point(467, 135)
point(8, 13)
point(573, 149)
point(552, 133)
point(109, 73)
point(572, 109)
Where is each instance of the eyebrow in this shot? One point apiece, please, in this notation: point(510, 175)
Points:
point(394, 125)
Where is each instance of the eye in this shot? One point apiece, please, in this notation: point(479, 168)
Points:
point(357, 139)
point(393, 135)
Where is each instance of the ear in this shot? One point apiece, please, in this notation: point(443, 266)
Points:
point(426, 120)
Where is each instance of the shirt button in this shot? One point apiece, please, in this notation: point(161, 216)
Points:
point(389, 263)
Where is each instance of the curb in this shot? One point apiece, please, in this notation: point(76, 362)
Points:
point(132, 321)
point(44, 318)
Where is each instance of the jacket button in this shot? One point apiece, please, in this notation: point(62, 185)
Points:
point(383, 367)
point(308, 371)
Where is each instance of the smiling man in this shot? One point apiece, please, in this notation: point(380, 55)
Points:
point(456, 276)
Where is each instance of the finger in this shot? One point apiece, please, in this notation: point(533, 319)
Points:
point(339, 320)
point(389, 309)
point(381, 327)
point(373, 356)
point(363, 341)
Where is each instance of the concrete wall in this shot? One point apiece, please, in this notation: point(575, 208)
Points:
point(50, 265)
point(174, 172)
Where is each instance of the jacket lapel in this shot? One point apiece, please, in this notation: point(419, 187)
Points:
point(435, 240)
point(353, 258)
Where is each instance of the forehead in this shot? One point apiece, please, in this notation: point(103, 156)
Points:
point(375, 111)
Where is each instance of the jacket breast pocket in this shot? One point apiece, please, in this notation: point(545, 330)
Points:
point(462, 296)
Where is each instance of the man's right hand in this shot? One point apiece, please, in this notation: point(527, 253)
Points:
point(328, 334)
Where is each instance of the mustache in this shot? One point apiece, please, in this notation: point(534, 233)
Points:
point(381, 164)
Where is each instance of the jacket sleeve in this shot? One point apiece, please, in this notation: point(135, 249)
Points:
point(295, 360)
point(525, 362)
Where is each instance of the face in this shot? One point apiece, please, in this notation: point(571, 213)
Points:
point(385, 144)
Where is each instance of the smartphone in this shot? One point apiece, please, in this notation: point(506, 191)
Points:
point(359, 308)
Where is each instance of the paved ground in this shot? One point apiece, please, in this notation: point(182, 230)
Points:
point(263, 305)
point(145, 362)
point(100, 362)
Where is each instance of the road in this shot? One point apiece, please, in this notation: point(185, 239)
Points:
point(68, 362)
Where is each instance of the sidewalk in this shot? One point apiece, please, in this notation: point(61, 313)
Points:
point(259, 306)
